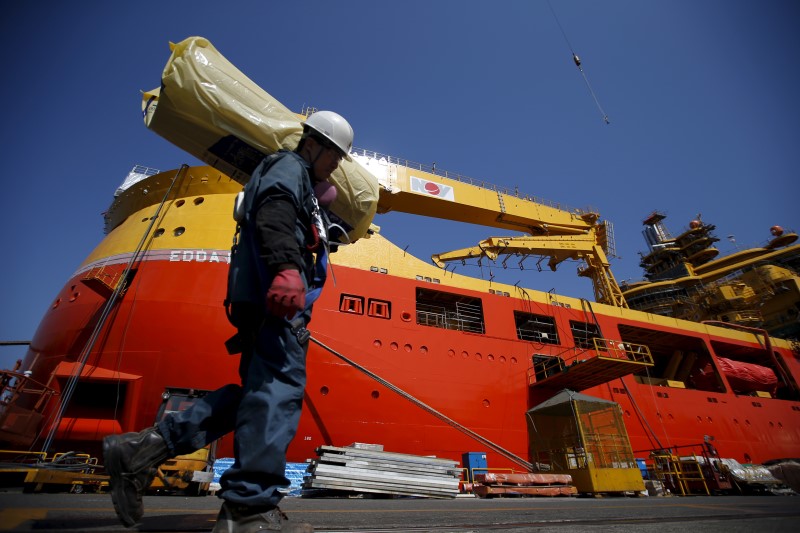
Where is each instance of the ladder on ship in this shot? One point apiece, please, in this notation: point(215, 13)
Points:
point(605, 361)
point(22, 403)
point(104, 279)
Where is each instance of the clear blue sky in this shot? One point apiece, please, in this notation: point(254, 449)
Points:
point(702, 97)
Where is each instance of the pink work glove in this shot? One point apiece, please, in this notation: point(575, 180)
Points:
point(287, 294)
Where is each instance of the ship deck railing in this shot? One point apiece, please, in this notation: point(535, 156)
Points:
point(687, 469)
point(18, 424)
point(64, 471)
point(607, 360)
point(483, 184)
point(65, 460)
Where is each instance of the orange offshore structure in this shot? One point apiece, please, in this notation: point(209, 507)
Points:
point(406, 354)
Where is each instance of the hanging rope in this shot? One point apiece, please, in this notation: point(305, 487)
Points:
point(627, 391)
point(577, 61)
point(642, 418)
point(483, 440)
point(72, 382)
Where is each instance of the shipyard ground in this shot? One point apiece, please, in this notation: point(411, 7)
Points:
point(94, 512)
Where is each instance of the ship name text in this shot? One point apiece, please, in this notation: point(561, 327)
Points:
point(200, 256)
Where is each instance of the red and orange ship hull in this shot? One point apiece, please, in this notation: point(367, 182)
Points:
point(168, 328)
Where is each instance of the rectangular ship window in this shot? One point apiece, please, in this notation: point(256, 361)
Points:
point(537, 328)
point(351, 304)
point(379, 308)
point(449, 311)
point(583, 334)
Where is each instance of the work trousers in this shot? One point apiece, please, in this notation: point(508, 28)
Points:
point(263, 413)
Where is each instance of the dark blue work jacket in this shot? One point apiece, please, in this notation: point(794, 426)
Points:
point(281, 176)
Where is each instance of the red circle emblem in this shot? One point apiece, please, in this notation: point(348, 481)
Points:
point(432, 188)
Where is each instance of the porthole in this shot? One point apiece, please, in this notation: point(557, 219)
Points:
point(180, 230)
point(159, 232)
point(199, 200)
point(180, 202)
point(324, 391)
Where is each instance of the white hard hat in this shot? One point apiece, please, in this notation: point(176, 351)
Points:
point(333, 127)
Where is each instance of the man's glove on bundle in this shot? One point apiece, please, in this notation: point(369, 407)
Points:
point(287, 294)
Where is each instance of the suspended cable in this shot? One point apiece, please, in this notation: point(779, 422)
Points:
point(642, 418)
point(577, 61)
point(444, 418)
point(586, 302)
point(72, 382)
point(561, 27)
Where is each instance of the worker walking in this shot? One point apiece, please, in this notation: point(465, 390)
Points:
point(277, 268)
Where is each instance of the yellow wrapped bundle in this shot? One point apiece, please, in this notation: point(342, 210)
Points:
point(209, 108)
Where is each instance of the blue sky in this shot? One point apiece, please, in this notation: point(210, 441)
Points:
point(701, 94)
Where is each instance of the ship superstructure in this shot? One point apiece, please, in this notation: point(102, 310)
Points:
point(756, 287)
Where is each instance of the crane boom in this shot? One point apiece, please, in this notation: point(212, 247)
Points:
point(552, 230)
point(413, 188)
point(558, 249)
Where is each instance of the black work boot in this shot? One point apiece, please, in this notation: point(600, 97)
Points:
point(131, 460)
point(234, 518)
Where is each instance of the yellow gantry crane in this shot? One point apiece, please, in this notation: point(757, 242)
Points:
point(550, 230)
